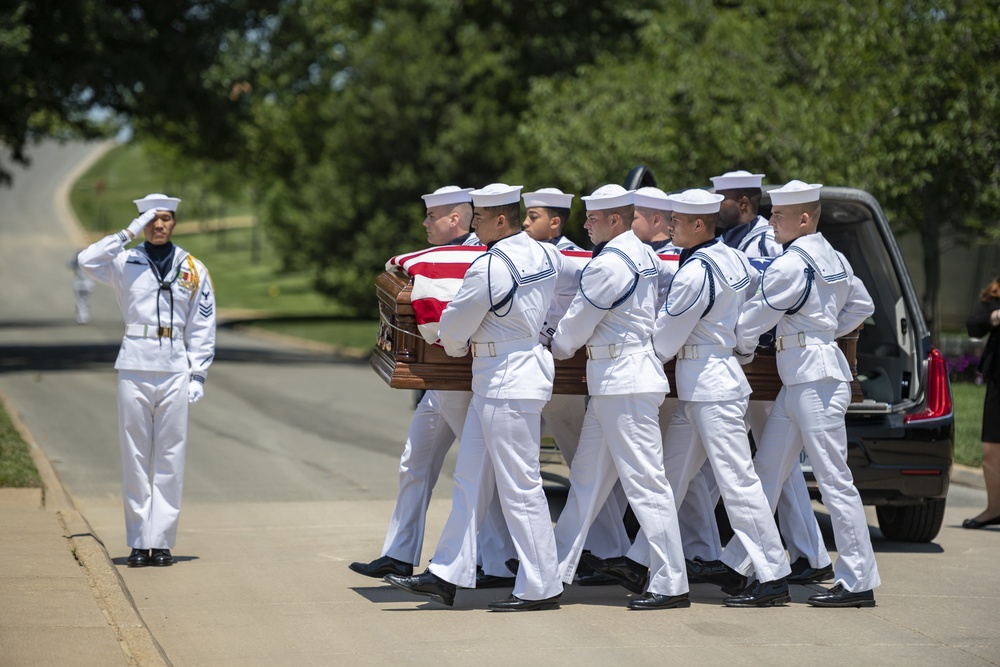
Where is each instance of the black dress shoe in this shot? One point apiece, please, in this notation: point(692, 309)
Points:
point(718, 573)
point(633, 576)
point(595, 579)
point(138, 558)
point(690, 564)
point(761, 594)
point(162, 558)
point(425, 583)
point(804, 573)
point(972, 523)
point(514, 603)
point(380, 567)
point(484, 580)
point(838, 596)
point(512, 564)
point(657, 601)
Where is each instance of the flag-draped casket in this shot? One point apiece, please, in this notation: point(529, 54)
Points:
point(414, 290)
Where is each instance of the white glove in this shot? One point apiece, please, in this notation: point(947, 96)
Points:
point(196, 391)
point(136, 226)
point(995, 318)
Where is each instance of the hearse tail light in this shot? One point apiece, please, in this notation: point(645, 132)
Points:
point(938, 391)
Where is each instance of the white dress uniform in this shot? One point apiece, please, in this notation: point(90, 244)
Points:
point(697, 326)
point(169, 341)
point(562, 416)
point(499, 312)
point(437, 420)
point(811, 293)
point(796, 519)
point(613, 315)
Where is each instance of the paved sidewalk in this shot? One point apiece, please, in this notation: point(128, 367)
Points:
point(63, 601)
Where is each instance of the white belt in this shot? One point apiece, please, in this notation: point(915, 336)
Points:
point(803, 338)
point(615, 350)
point(149, 331)
point(496, 349)
point(704, 351)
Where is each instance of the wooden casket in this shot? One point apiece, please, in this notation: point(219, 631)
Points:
point(406, 361)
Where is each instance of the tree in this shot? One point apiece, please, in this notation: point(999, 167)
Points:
point(143, 59)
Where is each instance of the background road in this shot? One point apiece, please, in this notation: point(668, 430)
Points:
point(291, 474)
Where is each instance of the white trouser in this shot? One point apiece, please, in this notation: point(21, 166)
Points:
point(152, 430)
point(796, 519)
point(621, 440)
point(717, 431)
point(498, 454)
point(438, 418)
point(563, 415)
point(811, 415)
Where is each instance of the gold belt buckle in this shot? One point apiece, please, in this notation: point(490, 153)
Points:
point(780, 344)
point(164, 332)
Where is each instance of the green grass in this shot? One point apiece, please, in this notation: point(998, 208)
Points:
point(968, 400)
point(16, 467)
point(102, 198)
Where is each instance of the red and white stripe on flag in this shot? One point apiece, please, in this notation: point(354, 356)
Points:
point(438, 272)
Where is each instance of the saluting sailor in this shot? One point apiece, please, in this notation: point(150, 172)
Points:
point(168, 302)
point(437, 420)
point(498, 314)
point(811, 293)
point(697, 327)
point(612, 314)
point(752, 234)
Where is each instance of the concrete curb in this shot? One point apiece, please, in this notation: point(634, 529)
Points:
point(113, 598)
point(967, 476)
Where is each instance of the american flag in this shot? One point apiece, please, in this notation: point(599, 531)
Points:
point(438, 272)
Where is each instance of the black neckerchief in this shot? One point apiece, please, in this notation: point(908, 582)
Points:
point(598, 248)
point(733, 237)
point(162, 257)
point(459, 240)
point(687, 252)
point(657, 246)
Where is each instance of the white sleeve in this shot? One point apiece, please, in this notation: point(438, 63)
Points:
point(781, 287)
point(858, 308)
point(97, 260)
point(687, 300)
point(578, 324)
point(464, 314)
point(199, 333)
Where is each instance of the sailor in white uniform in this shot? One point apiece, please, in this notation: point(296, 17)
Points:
point(652, 219)
point(168, 303)
point(498, 314)
point(436, 422)
point(748, 232)
point(697, 326)
point(811, 293)
point(612, 314)
point(546, 212)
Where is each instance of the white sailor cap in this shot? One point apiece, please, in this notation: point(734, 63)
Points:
point(795, 192)
point(609, 196)
point(548, 197)
point(156, 202)
point(653, 198)
point(737, 180)
point(449, 194)
point(496, 194)
point(696, 202)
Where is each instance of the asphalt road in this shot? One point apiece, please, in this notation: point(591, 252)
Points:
point(291, 474)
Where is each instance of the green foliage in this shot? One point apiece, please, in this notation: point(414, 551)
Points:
point(16, 467)
point(102, 198)
point(968, 401)
point(144, 59)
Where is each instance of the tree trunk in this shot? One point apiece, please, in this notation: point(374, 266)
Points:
point(930, 233)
